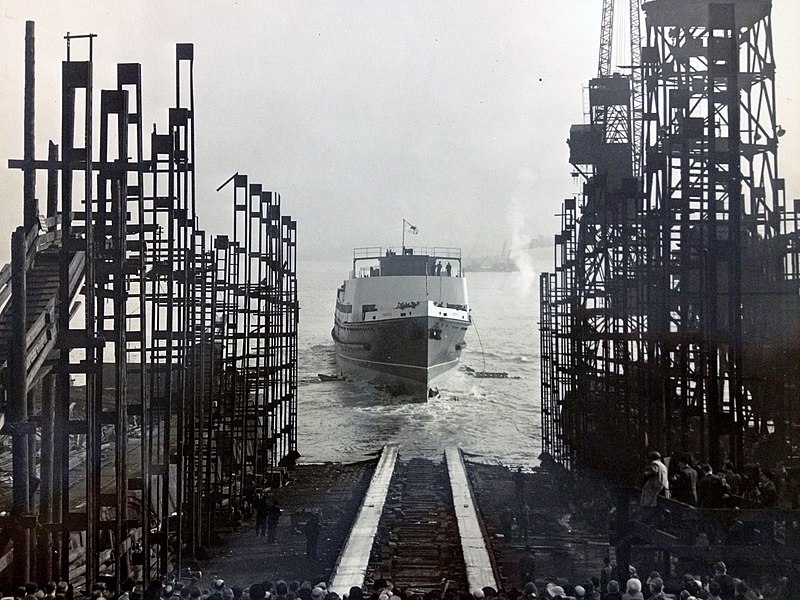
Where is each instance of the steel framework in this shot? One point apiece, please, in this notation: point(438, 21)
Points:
point(684, 300)
point(136, 348)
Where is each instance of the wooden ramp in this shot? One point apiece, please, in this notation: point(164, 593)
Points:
point(480, 572)
point(417, 528)
point(351, 568)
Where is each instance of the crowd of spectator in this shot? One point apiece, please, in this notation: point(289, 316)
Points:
point(695, 483)
point(604, 586)
point(679, 478)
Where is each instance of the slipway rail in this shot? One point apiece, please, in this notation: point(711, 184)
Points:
point(351, 568)
point(480, 572)
point(418, 527)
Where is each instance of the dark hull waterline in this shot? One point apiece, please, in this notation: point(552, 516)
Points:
point(411, 352)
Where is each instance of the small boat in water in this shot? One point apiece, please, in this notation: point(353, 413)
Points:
point(402, 315)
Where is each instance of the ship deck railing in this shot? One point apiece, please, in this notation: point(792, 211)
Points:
point(435, 252)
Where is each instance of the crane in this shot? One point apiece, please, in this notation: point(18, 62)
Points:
point(604, 70)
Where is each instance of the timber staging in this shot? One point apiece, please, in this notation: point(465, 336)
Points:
point(148, 369)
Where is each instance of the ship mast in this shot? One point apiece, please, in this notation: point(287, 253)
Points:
point(412, 229)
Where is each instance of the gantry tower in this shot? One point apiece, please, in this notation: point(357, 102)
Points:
point(671, 316)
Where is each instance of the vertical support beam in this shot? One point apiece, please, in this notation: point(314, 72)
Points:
point(182, 129)
point(111, 230)
point(723, 318)
point(293, 309)
point(129, 79)
point(161, 365)
point(18, 404)
point(22, 442)
point(78, 75)
point(52, 182)
point(44, 544)
point(622, 531)
point(94, 355)
point(30, 211)
point(546, 379)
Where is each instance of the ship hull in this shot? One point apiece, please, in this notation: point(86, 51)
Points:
point(401, 316)
point(411, 352)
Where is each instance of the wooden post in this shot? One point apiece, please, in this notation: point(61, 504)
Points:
point(52, 182)
point(44, 546)
point(622, 546)
point(30, 212)
point(18, 404)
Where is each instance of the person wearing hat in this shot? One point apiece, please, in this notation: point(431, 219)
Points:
point(527, 566)
point(692, 585)
point(656, 481)
point(219, 589)
point(317, 593)
point(530, 591)
point(261, 508)
point(30, 590)
point(727, 586)
point(657, 589)
point(50, 590)
point(592, 592)
point(633, 590)
point(312, 530)
point(556, 591)
point(273, 516)
point(713, 591)
point(606, 573)
point(684, 481)
point(257, 592)
point(612, 591)
point(355, 593)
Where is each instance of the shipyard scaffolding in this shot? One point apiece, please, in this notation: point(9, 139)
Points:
point(670, 322)
point(671, 319)
point(129, 339)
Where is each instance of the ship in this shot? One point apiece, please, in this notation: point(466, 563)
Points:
point(401, 317)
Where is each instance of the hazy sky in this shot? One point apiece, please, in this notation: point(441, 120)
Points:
point(452, 114)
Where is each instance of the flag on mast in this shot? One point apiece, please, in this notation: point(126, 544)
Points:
point(411, 228)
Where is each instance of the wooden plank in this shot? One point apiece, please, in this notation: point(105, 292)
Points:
point(6, 560)
point(655, 536)
point(476, 555)
point(691, 513)
point(5, 281)
point(34, 374)
point(753, 555)
point(45, 321)
point(351, 566)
